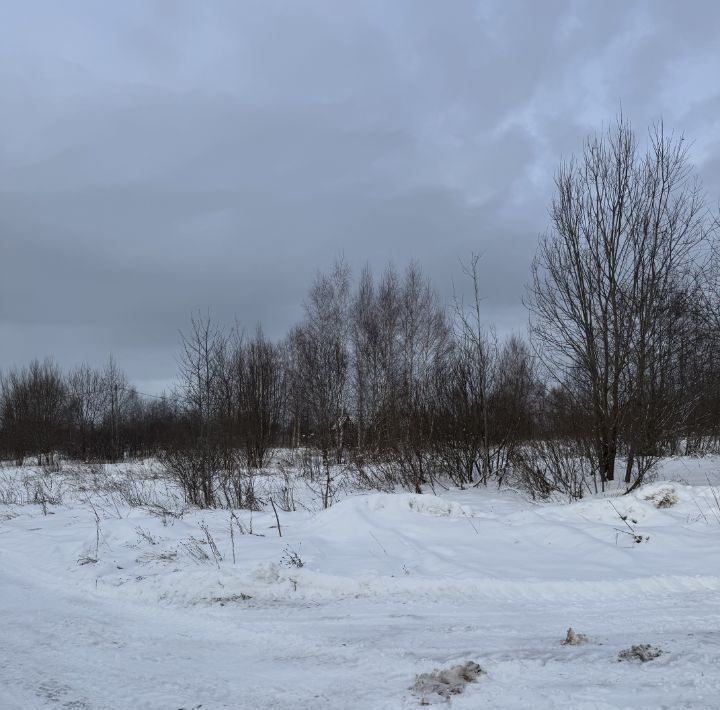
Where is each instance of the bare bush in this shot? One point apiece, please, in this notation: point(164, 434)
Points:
point(195, 469)
point(135, 490)
point(555, 467)
point(195, 549)
point(211, 543)
point(322, 477)
point(237, 482)
point(284, 494)
point(145, 535)
point(10, 490)
point(291, 558)
point(664, 498)
point(166, 515)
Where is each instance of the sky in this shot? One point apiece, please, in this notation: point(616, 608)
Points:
point(162, 157)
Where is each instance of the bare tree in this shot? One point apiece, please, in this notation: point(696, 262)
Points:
point(625, 225)
point(323, 360)
point(116, 384)
point(89, 398)
point(261, 396)
point(424, 343)
point(365, 334)
point(381, 354)
point(474, 375)
point(34, 406)
point(196, 463)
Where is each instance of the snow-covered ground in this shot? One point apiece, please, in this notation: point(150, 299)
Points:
point(113, 606)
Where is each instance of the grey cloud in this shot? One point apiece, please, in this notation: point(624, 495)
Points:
point(160, 157)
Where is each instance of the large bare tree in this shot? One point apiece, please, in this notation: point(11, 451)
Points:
point(625, 224)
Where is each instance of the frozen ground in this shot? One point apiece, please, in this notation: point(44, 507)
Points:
point(112, 606)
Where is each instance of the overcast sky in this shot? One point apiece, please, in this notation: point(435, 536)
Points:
point(162, 157)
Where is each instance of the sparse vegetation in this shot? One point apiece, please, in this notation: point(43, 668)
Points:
point(572, 638)
point(629, 528)
point(664, 498)
point(291, 558)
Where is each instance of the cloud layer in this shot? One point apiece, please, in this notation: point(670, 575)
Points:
point(160, 157)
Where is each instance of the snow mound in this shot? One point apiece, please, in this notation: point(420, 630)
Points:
point(424, 504)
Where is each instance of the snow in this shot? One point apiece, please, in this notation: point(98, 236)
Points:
point(108, 605)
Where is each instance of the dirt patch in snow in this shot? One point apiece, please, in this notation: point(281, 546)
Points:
point(642, 653)
point(443, 683)
point(574, 639)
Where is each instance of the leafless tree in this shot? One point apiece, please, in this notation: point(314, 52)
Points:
point(626, 223)
point(89, 398)
point(377, 354)
point(364, 334)
point(261, 396)
point(423, 345)
point(196, 463)
point(323, 358)
point(116, 384)
point(474, 371)
point(33, 409)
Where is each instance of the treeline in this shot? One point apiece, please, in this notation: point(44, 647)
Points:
point(379, 372)
point(379, 375)
point(382, 376)
point(86, 414)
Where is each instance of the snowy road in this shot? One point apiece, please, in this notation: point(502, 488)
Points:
point(88, 652)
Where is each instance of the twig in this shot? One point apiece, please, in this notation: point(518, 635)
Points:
point(379, 543)
point(232, 535)
point(623, 518)
point(272, 503)
point(633, 533)
point(211, 543)
point(477, 532)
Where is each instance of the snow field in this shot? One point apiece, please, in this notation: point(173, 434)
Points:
point(107, 605)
